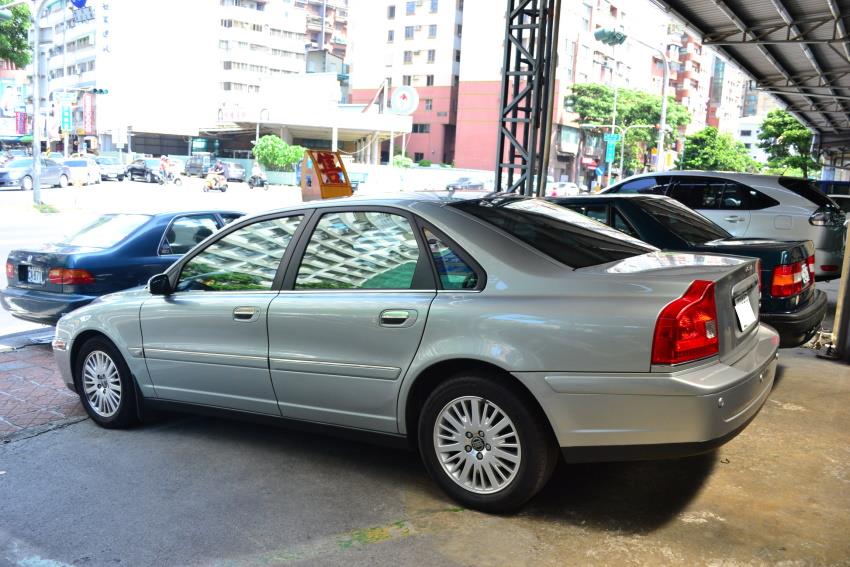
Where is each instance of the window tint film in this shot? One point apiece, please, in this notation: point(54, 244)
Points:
point(641, 185)
point(683, 222)
point(596, 212)
point(735, 197)
point(454, 273)
point(620, 223)
point(185, 232)
point(244, 260)
point(807, 190)
point(360, 250)
point(106, 231)
point(562, 234)
point(698, 193)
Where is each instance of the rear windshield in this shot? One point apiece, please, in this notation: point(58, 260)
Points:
point(106, 231)
point(683, 222)
point(806, 189)
point(564, 235)
point(107, 161)
point(76, 163)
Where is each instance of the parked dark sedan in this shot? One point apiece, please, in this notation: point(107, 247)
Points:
point(144, 169)
point(18, 173)
point(115, 252)
point(789, 301)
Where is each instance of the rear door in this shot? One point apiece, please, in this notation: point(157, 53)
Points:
point(50, 171)
point(349, 320)
point(723, 202)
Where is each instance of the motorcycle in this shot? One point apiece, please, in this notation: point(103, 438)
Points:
point(258, 181)
point(215, 182)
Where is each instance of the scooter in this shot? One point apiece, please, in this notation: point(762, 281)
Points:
point(258, 181)
point(215, 182)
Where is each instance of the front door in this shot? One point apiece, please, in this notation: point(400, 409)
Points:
point(349, 321)
point(207, 343)
point(721, 201)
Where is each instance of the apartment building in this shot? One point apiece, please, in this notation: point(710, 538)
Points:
point(757, 102)
point(13, 93)
point(692, 79)
point(747, 131)
point(726, 96)
point(327, 25)
point(415, 43)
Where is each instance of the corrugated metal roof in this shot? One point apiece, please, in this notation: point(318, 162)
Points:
point(798, 50)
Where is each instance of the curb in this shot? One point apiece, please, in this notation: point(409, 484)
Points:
point(16, 341)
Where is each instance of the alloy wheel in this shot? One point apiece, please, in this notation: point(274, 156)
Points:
point(477, 444)
point(102, 383)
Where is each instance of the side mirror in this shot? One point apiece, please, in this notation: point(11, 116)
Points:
point(160, 285)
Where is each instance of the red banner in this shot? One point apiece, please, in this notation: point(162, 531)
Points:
point(89, 114)
point(20, 123)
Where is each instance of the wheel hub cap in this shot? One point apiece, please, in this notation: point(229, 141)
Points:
point(477, 444)
point(101, 383)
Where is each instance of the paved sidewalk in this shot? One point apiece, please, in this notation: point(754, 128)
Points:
point(32, 392)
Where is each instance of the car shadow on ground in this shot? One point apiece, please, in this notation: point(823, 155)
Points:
point(630, 497)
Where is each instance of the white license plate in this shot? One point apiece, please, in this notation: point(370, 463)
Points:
point(35, 275)
point(745, 313)
point(805, 274)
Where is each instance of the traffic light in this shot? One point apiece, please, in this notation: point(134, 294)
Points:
point(610, 36)
point(99, 91)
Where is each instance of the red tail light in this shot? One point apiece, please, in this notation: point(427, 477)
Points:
point(10, 271)
point(686, 329)
point(67, 276)
point(811, 264)
point(788, 278)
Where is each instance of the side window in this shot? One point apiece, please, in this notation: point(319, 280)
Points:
point(735, 197)
point(620, 223)
point(360, 250)
point(698, 193)
point(244, 260)
point(454, 273)
point(756, 200)
point(641, 185)
point(185, 232)
point(229, 217)
point(596, 212)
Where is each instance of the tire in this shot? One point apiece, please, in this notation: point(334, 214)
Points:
point(63, 181)
point(148, 177)
point(26, 183)
point(121, 178)
point(224, 188)
point(515, 474)
point(101, 368)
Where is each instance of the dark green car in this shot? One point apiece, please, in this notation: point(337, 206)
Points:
point(789, 300)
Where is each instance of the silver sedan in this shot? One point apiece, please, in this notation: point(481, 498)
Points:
point(492, 334)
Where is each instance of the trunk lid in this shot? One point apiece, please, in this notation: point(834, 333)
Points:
point(735, 286)
point(30, 269)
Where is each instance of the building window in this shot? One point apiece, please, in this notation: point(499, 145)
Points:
point(223, 44)
point(429, 80)
point(432, 30)
point(457, 55)
point(411, 8)
point(429, 104)
point(418, 156)
point(746, 132)
point(434, 5)
point(748, 146)
point(408, 57)
point(421, 128)
point(432, 55)
point(390, 12)
point(406, 80)
point(390, 36)
point(586, 16)
point(408, 32)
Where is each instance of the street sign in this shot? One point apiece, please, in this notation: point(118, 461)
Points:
point(66, 118)
point(610, 148)
point(611, 137)
point(68, 97)
point(600, 169)
point(405, 100)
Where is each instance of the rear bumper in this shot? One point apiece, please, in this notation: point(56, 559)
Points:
point(799, 326)
point(41, 306)
point(613, 417)
point(828, 258)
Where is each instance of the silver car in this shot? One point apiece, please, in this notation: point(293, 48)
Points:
point(491, 334)
point(756, 206)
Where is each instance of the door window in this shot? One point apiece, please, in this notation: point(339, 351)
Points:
point(735, 197)
point(699, 193)
point(360, 250)
point(620, 223)
point(596, 212)
point(453, 271)
point(244, 260)
point(185, 232)
point(641, 185)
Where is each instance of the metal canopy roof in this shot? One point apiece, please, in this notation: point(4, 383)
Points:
point(797, 50)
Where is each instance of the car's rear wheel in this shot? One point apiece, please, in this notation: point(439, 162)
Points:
point(148, 177)
point(63, 181)
point(26, 183)
point(485, 444)
point(105, 385)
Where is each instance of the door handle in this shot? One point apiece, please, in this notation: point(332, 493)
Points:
point(246, 314)
point(733, 219)
point(397, 318)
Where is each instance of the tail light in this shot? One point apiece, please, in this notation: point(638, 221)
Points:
point(810, 263)
point(67, 276)
point(10, 271)
point(686, 329)
point(788, 279)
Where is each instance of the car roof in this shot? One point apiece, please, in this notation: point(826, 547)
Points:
point(733, 175)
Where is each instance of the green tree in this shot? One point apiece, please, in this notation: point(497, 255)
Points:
point(711, 150)
point(787, 142)
point(594, 104)
point(14, 44)
point(402, 161)
point(275, 154)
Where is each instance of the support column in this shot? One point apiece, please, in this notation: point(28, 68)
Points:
point(376, 150)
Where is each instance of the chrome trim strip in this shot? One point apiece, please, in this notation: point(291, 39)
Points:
point(353, 290)
point(191, 357)
point(137, 352)
point(335, 368)
point(195, 353)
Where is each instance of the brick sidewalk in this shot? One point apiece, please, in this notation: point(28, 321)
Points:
point(32, 392)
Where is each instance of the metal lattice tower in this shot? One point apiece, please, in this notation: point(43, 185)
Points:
point(528, 81)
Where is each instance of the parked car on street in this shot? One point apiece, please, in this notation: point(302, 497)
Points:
point(465, 183)
point(84, 171)
point(562, 189)
point(233, 171)
point(756, 206)
point(18, 173)
point(198, 166)
point(490, 333)
point(115, 252)
point(144, 169)
point(111, 168)
point(789, 301)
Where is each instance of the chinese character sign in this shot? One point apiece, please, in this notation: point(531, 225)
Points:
point(20, 123)
point(89, 114)
point(329, 172)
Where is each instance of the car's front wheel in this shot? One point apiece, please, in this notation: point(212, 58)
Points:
point(105, 385)
point(484, 442)
point(26, 183)
point(63, 181)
